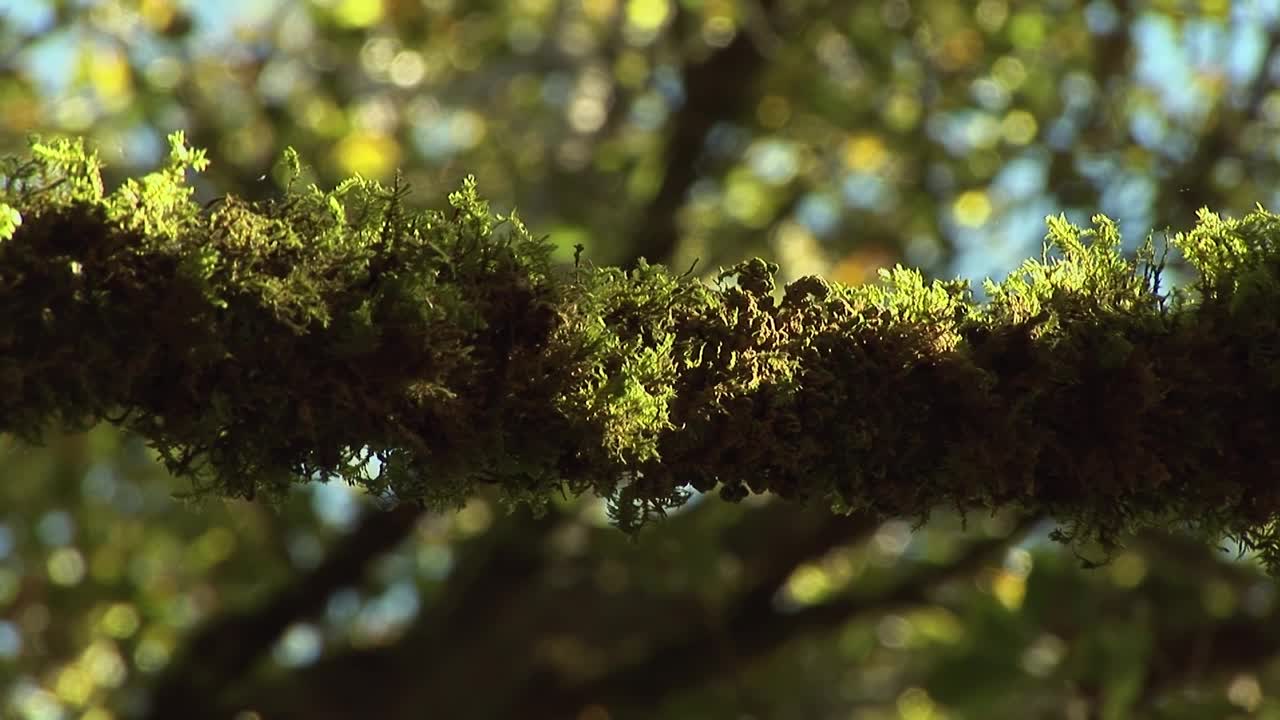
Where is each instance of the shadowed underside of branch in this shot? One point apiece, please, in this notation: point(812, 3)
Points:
point(341, 334)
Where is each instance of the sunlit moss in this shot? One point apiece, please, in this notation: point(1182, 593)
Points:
point(422, 356)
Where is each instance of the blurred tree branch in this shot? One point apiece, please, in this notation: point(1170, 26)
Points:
point(756, 628)
point(716, 89)
point(222, 652)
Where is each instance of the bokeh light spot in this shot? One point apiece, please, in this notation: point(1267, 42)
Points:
point(357, 13)
point(1027, 30)
point(915, 704)
point(474, 518)
point(586, 114)
point(1009, 589)
point(1127, 569)
point(645, 18)
point(407, 69)
point(1019, 127)
point(1245, 691)
point(120, 621)
point(1043, 655)
point(745, 201)
point(301, 645)
point(902, 112)
point(66, 567)
point(972, 208)
point(864, 153)
point(154, 649)
point(773, 161)
point(369, 154)
point(468, 128)
point(991, 14)
point(56, 528)
point(104, 665)
point(212, 547)
point(807, 585)
point(109, 73)
point(773, 111)
point(73, 686)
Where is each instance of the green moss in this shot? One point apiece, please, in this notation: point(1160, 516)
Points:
point(259, 344)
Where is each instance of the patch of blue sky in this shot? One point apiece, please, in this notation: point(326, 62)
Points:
point(818, 212)
point(989, 93)
point(557, 88)
point(1238, 48)
point(1202, 41)
point(395, 607)
point(727, 140)
point(99, 482)
point(1162, 63)
point(773, 161)
point(1101, 17)
point(281, 79)
point(1096, 166)
point(705, 189)
point(143, 146)
point(1256, 11)
point(1061, 133)
point(667, 80)
point(648, 112)
point(1128, 196)
point(948, 129)
point(49, 61)
point(300, 645)
point(343, 606)
point(1246, 51)
point(1148, 127)
point(962, 131)
point(335, 503)
point(305, 549)
point(1023, 177)
point(25, 17)
point(1078, 90)
point(10, 640)
point(56, 528)
point(218, 23)
point(996, 248)
point(1178, 145)
point(434, 138)
point(865, 191)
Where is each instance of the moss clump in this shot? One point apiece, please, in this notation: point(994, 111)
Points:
point(259, 344)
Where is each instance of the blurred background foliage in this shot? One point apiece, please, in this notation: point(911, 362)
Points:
point(830, 137)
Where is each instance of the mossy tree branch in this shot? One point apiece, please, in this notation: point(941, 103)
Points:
point(341, 335)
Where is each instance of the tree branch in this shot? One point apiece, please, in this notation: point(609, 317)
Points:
point(716, 89)
point(259, 344)
point(227, 649)
point(757, 629)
